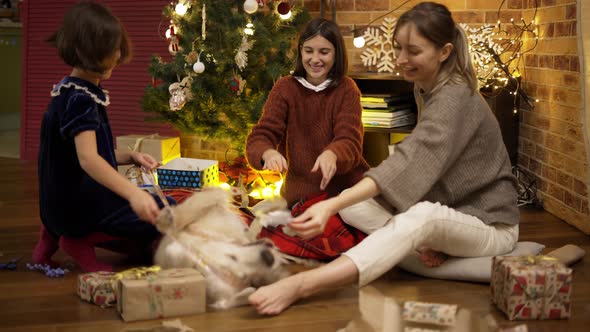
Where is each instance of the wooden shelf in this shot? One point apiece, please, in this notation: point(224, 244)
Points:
point(375, 76)
point(398, 130)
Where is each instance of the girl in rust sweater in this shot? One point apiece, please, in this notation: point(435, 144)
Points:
point(311, 125)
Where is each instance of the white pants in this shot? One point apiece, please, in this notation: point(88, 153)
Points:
point(393, 237)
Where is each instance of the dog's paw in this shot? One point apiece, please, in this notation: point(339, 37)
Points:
point(165, 220)
point(239, 299)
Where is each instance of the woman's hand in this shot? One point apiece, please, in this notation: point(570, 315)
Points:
point(145, 206)
point(312, 222)
point(144, 159)
point(274, 161)
point(326, 162)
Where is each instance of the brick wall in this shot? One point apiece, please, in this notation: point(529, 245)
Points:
point(552, 142)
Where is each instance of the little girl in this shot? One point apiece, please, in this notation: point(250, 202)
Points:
point(80, 190)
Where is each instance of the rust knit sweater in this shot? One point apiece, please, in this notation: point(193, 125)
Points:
point(301, 124)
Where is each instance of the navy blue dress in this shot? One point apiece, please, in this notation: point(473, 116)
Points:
point(71, 202)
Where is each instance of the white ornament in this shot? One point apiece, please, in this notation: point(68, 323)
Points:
point(250, 6)
point(204, 24)
point(380, 47)
point(199, 67)
point(242, 55)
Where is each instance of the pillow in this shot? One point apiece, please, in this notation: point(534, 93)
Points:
point(477, 269)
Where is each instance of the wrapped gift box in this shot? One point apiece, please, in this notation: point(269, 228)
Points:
point(163, 149)
point(168, 293)
point(531, 287)
point(188, 173)
point(96, 287)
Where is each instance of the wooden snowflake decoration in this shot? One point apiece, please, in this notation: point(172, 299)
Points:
point(480, 43)
point(379, 46)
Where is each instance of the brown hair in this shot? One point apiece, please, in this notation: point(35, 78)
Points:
point(89, 34)
point(435, 23)
point(329, 30)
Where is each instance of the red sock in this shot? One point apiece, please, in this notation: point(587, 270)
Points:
point(45, 248)
point(82, 251)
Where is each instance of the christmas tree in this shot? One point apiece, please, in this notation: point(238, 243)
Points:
point(226, 56)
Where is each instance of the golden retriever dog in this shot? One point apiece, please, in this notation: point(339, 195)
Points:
point(206, 232)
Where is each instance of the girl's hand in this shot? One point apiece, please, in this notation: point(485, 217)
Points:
point(144, 159)
point(326, 162)
point(274, 161)
point(312, 222)
point(145, 206)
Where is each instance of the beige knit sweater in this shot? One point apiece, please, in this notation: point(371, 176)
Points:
point(455, 156)
point(301, 124)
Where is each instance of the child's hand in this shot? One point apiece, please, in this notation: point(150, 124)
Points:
point(326, 162)
point(144, 159)
point(274, 161)
point(144, 205)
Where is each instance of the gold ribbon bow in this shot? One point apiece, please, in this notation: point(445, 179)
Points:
point(134, 273)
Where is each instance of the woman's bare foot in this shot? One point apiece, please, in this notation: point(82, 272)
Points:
point(274, 298)
point(432, 258)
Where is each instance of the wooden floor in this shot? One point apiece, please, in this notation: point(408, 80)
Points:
point(31, 302)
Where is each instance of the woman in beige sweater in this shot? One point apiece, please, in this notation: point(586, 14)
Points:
point(448, 186)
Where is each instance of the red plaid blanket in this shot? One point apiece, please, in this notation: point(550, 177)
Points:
point(336, 239)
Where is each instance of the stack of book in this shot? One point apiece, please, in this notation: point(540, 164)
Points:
point(388, 111)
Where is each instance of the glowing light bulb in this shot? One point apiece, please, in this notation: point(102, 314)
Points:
point(180, 9)
point(249, 29)
point(359, 41)
point(286, 16)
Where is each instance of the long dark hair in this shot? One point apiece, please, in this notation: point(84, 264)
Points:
point(89, 34)
point(435, 23)
point(329, 30)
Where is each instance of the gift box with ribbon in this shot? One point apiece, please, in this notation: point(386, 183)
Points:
point(531, 287)
point(100, 287)
point(188, 173)
point(162, 148)
point(168, 293)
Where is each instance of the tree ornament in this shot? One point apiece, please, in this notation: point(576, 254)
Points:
point(191, 57)
point(199, 67)
point(241, 54)
point(173, 48)
point(204, 24)
point(237, 84)
point(283, 8)
point(250, 6)
point(180, 93)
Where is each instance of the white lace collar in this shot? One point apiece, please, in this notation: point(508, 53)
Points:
point(317, 88)
point(67, 83)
